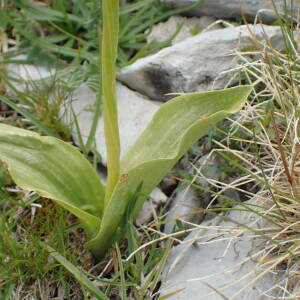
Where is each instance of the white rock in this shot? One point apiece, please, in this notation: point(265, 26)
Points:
point(207, 168)
point(135, 112)
point(191, 199)
point(204, 62)
point(185, 202)
point(26, 74)
point(157, 198)
point(191, 26)
point(220, 258)
point(146, 213)
point(237, 8)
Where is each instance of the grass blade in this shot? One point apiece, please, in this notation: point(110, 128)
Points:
point(29, 116)
point(79, 276)
point(122, 273)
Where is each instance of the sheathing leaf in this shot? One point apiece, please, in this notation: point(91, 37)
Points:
point(174, 129)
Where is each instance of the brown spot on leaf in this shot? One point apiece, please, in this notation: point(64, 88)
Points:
point(123, 177)
point(5, 164)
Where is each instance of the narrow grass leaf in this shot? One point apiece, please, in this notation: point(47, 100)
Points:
point(153, 280)
point(128, 8)
point(40, 13)
point(44, 129)
point(8, 291)
point(122, 273)
point(79, 276)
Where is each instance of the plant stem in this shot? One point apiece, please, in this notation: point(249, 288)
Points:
point(110, 15)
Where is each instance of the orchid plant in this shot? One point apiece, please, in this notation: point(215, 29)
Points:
point(57, 170)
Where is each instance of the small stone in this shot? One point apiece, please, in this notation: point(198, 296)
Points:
point(190, 199)
point(185, 202)
point(145, 214)
point(157, 198)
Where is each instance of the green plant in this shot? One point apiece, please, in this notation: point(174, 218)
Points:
point(57, 170)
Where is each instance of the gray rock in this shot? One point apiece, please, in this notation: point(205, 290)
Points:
point(191, 26)
point(221, 260)
point(25, 76)
point(207, 168)
point(191, 199)
point(146, 213)
point(263, 9)
point(209, 173)
point(157, 198)
point(185, 202)
point(204, 62)
point(135, 113)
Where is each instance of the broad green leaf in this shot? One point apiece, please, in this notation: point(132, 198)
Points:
point(80, 276)
point(110, 13)
point(53, 169)
point(177, 125)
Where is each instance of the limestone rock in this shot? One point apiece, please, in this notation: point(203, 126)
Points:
point(157, 198)
point(135, 113)
point(221, 260)
point(185, 202)
point(25, 75)
point(204, 62)
point(237, 8)
point(207, 168)
point(190, 199)
point(191, 26)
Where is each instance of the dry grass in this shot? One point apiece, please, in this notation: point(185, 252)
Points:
point(268, 134)
point(276, 137)
point(264, 144)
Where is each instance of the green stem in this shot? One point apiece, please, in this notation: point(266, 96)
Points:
point(110, 15)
